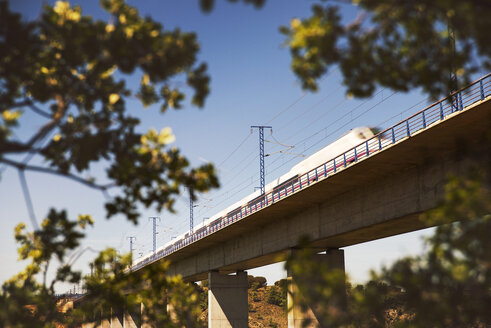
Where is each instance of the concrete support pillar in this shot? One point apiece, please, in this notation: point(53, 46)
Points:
point(144, 325)
point(101, 320)
point(171, 312)
point(227, 300)
point(106, 322)
point(333, 259)
point(132, 317)
point(117, 318)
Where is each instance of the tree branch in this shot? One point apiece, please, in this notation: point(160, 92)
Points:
point(15, 147)
point(29, 103)
point(45, 272)
point(27, 198)
point(18, 147)
point(57, 116)
point(35, 168)
point(19, 104)
point(76, 255)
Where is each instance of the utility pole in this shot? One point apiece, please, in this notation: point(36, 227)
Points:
point(192, 205)
point(131, 238)
point(154, 218)
point(191, 214)
point(453, 73)
point(454, 83)
point(261, 155)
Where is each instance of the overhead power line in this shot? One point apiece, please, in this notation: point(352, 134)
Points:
point(295, 119)
point(341, 127)
point(331, 124)
point(288, 107)
point(305, 93)
point(235, 150)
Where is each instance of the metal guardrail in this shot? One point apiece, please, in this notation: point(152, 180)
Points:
point(424, 119)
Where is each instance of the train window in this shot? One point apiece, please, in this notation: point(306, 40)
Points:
point(231, 214)
point(214, 225)
point(283, 184)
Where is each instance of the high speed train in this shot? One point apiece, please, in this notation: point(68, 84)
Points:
point(337, 155)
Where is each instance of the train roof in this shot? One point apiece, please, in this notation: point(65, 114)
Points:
point(350, 138)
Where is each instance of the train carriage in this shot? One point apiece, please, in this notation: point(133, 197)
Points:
point(339, 154)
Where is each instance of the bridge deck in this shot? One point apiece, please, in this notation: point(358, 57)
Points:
point(381, 195)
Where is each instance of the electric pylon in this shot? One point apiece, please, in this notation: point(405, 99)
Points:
point(261, 155)
point(154, 218)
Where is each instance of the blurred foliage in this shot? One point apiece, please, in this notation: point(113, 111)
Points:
point(76, 75)
point(207, 5)
point(448, 286)
point(397, 44)
point(203, 295)
point(72, 72)
point(26, 303)
point(314, 283)
point(454, 278)
point(149, 291)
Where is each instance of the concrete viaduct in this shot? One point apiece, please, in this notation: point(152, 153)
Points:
point(381, 195)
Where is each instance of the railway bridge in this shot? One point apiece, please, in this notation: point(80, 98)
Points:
point(381, 193)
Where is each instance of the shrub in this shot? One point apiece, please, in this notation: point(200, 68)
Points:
point(256, 282)
point(276, 296)
point(255, 297)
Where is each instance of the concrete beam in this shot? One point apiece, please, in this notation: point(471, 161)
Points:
point(227, 300)
point(382, 195)
point(333, 260)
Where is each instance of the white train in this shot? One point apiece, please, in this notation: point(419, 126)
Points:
point(338, 154)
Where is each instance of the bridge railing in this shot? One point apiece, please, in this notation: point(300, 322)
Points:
point(438, 111)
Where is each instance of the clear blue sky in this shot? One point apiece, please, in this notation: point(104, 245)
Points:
point(251, 84)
